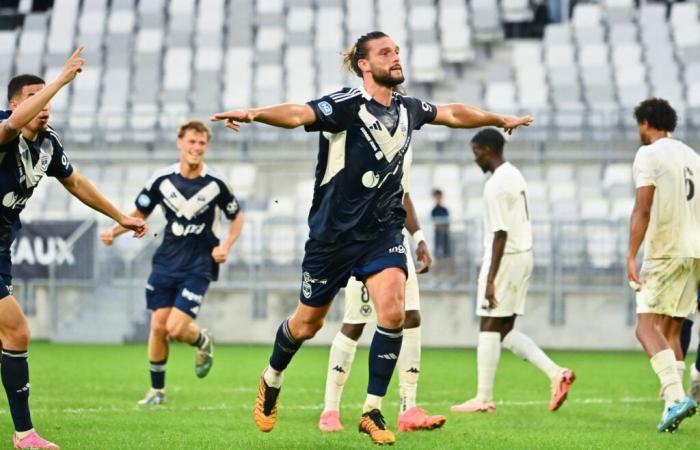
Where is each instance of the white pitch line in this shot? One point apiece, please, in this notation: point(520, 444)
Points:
point(319, 406)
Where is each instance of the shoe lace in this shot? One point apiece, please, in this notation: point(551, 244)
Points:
point(376, 420)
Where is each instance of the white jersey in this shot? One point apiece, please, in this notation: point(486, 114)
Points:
point(674, 226)
point(505, 202)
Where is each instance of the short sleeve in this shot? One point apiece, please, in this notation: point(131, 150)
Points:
point(149, 196)
point(334, 112)
point(497, 207)
point(228, 202)
point(59, 166)
point(644, 169)
point(421, 112)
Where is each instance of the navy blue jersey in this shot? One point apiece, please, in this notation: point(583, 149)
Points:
point(23, 164)
point(358, 193)
point(192, 208)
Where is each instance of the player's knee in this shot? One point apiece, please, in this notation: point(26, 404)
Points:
point(17, 337)
point(412, 319)
point(307, 330)
point(176, 330)
point(159, 330)
point(352, 330)
point(392, 315)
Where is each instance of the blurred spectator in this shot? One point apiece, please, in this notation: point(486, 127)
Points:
point(442, 249)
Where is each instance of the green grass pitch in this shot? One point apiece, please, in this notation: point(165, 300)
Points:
point(84, 397)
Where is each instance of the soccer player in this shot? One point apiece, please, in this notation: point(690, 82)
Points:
point(504, 277)
point(667, 217)
point(358, 311)
point(356, 216)
point(192, 197)
point(29, 150)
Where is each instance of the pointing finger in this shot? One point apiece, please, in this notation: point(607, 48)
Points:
point(77, 52)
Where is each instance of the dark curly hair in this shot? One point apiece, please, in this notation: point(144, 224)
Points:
point(658, 113)
point(490, 138)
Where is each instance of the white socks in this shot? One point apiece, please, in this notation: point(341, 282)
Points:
point(23, 434)
point(409, 368)
point(372, 402)
point(272, 377)
point(487, 355)
point(680, 367)
point(664, 364)
point(339, 364)
point(525, 348)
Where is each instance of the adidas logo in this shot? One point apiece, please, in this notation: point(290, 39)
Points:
point(376, 126)
point(338, 369)
point(388, 356)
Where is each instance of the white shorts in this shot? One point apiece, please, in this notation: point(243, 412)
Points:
point(358, 306)
point(512, 281)
point(669, 286)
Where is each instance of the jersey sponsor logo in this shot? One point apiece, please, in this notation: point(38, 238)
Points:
point(144, 200)
point(307, 284)
point(13, 201)
point(232, 207)
point(366, 310)
point(370, 179)
point(325, 108)
point(397, 249)
point(181, 230)
point(191, 296)
point(192, 207)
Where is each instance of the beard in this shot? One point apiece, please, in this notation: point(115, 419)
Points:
point(384, 78)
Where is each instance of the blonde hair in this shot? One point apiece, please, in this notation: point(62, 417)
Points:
point(196, 125)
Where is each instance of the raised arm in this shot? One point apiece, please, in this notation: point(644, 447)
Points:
point(86, 192)
point(458, 115)
point(638, 228)
point(413, 227)
point(286, 115)
point(28, 109)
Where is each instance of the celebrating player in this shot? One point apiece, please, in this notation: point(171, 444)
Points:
point(192, 197)
point(30, 149)
point(505, 276)
point(359, 311)
point(666, 216)
point(357, 216)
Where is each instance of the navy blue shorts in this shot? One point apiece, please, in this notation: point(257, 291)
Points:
point(185, 294)
point(328, 266)
point(5, 285)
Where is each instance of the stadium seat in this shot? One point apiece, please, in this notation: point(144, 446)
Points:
point(486, 21)
point(455, 32)
point(516, 11)
point(684, 15)
point(617, 11)
point(586, 15)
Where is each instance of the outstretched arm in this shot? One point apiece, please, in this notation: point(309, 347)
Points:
point(28, 109)
point(220, 253)
point(458, 115)
point(110, 234)
point(286, 115)
point(638, 228)
point(86, 192)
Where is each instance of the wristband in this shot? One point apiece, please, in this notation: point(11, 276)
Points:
point(418, 236)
